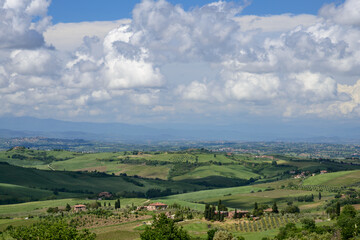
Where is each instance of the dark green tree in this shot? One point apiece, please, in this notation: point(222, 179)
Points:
point(67, 208)
point(337, 209)
point(207, 212)
point(54, 229)
point(290, 230)
point(117, 204)
point(164, 228)
point(212, 212)
point(275, 208)
point(291, 209)
point(211, 233)
point(319, 195)
point(349, 222)
point(308, 224)
point(257, 211)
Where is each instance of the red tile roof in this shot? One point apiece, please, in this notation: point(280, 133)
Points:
point(157, 204)
point(79, 206)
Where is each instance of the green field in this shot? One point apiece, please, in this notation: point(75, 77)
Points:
point(190, 178)
point(217, 193)
point(23, 209)
point(54, 182)
point(230, 171)
point(337, 179)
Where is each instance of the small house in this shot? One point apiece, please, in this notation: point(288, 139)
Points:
point(239, 214)
point(79, 208)
point(268, 210)
point(156, 206)
point(105, 195)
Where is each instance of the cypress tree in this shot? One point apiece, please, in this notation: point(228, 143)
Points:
point(207, 212)
point(275, 208)
point(117, 204)
point(212, 213)
point(319, 195)
point(67, 208)
point(338, 209)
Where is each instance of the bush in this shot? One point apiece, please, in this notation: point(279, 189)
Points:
point(164, 229)
point(52, 210)
point(55, 229)
point(291, 209)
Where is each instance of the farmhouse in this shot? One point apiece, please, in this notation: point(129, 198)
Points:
point(239, 214)
point(105, 195)
point(225, 213)
point(79, 208)
point(323, 171)
point(268, 210)
point(156, 206)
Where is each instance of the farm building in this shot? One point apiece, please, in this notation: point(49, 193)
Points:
point(105, 195)
point(239, 214)
point(79, 208)
point(268, 210)
point(225, 213)
point(156, 206)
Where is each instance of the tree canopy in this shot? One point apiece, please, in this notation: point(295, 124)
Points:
point(164, 228)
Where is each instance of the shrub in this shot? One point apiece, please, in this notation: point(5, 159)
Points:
point(55, 229)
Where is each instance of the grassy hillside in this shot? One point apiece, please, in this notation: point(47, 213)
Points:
point(230, 171)
point(244, 197)
point(38, 184)
point(163, 165)
point(337, 179)
point(67, 174)
point(182, 165)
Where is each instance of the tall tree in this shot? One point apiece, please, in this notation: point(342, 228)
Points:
point(338, 209)
point(235, 214)
point(117, 204)
point(207, 212)
point(164, 228)
point(67, 208)
point(349, 222)
point(275, 208)
point(212, 213)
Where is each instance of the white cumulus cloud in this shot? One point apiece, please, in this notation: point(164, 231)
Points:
point(167, 60)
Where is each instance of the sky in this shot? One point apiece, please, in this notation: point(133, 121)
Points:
point(166, 62)
point(67, 11)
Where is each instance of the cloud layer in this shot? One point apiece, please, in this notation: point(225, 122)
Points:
point(166, 63)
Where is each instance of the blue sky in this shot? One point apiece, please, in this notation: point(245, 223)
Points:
point(108, 10)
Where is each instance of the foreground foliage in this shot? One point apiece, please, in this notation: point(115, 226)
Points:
point(163, 229)
point(50, 228)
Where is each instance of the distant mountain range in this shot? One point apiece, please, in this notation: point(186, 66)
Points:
point(11, 127)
